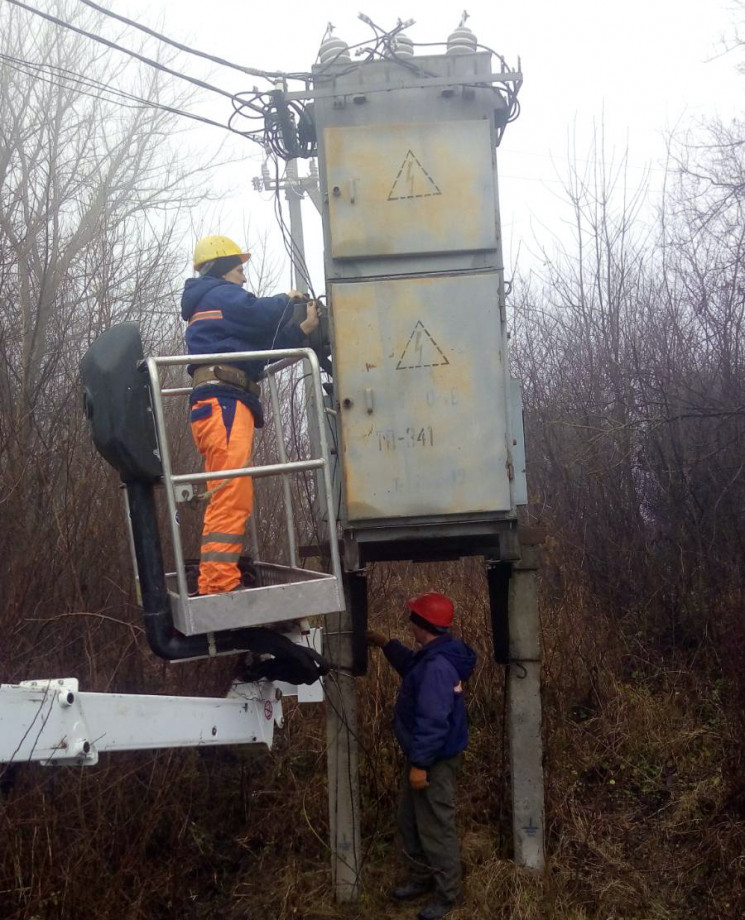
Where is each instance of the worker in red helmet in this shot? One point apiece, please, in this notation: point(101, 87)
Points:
point(431, 727)
point(224, 403)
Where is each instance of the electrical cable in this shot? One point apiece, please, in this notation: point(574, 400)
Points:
point(389, 53)
point(277, 113)
point(296, 257)
point(134, 54)
point(280, 117)
point(508, 90)
point(29, 68)
point(382, 37)
point(359, 49)
point(251, 71)
point(32, 69)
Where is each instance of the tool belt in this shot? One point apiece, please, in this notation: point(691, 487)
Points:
point(224, 373)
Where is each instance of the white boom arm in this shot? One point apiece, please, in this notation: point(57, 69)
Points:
point(52, 722)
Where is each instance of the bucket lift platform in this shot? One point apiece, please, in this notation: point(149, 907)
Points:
point(50, 721)
point(124, 402)
point(281, 593)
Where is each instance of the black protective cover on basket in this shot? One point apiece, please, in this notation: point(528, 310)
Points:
point(116, 401)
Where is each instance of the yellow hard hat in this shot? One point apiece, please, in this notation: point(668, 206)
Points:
point(215, 247)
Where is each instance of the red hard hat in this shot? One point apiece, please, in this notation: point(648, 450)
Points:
point(433, 607)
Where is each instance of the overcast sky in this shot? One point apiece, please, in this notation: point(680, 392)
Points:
point(642, 68)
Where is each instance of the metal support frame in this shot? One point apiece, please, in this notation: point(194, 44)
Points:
point(471, 80)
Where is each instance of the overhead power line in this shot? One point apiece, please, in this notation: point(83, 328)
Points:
point(95, 89)
point(251, 71)
point(104, 41)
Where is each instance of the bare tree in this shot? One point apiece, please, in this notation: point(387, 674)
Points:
point(631, 346)
point(92, 195)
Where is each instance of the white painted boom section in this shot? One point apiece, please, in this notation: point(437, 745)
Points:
point(50, 721)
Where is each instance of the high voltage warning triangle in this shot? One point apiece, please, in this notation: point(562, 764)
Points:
point(421, 351)
point(412, 181)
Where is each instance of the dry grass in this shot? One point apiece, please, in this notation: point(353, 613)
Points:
point(644, 806)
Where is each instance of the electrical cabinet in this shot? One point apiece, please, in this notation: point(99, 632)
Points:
point(429, 438)
point(420, 383)
point(405, 189)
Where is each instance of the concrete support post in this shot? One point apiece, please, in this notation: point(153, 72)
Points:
point(294, 193)
point(524, 713)
point(343, 765)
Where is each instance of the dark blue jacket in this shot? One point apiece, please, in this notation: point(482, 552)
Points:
point(430, 719)
point(223, 317)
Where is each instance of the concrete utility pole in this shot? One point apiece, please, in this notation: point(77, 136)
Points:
point(295, 188)
point(524, 711)
point(294, 194)
point(341, 715)
point(343, 763)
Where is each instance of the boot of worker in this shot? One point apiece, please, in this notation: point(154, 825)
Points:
point(437, 908)
point(412, 888)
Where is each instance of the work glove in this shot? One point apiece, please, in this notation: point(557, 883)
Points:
point(375, 638)
point(297, 296)
point(418, 778)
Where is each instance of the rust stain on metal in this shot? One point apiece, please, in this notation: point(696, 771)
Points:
point(407, 461)
point(448, 184)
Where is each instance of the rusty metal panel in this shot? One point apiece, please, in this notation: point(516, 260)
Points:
point(421, 386)
point(405, 189)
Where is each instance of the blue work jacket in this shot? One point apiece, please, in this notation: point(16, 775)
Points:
point(430, 718)
point(222, 317)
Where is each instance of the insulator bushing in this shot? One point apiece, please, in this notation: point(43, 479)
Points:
point(403, 46)
point(334, 50)
point(461, 41)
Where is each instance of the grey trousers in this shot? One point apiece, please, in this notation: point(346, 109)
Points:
point(426, 828)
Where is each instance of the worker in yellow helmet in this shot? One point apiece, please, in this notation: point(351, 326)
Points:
point(225, 405)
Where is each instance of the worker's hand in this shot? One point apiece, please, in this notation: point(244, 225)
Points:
point(418, 778)
point(375, 638)
point(312, 318)
point(297, 296)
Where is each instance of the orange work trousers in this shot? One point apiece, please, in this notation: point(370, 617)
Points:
point(223, 431)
